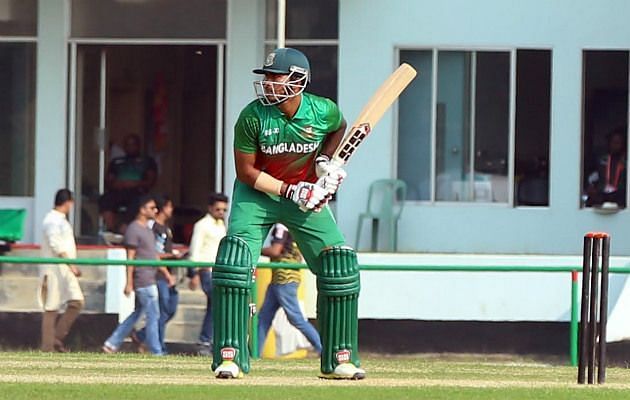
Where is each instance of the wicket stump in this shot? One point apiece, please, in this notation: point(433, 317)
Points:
point(592, 351)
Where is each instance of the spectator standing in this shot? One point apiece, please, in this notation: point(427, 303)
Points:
point(59, 285)
point(166, 284)
point(207, 233)
point(282, 292)
point(140, 243)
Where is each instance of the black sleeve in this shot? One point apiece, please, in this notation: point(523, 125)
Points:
point(279, 234)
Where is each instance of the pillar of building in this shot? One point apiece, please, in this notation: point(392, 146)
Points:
point(51, 106)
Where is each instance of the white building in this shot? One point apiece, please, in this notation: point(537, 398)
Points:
point(495, 139)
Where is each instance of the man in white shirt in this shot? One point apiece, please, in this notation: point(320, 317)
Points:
point(207, 234)
point(59, 285)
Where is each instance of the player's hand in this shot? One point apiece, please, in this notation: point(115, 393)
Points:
point(330, 174)
point(324, 166)
point(332, 181)
point(309, 196)
point(128, 290)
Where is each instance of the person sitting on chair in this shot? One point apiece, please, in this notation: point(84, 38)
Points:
point(128, 177)
point(607, 185)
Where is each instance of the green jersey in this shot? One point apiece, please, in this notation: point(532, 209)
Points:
point(286, 148)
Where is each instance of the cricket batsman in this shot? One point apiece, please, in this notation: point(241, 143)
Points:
point(282, 147)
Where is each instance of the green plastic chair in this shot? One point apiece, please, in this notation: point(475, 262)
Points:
point(12, 224)
point(386, 200)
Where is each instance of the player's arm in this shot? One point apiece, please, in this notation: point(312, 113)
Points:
point(333, 139)
point(247, 173)
point(307, 195)
point(330, 174)
point(245, 150)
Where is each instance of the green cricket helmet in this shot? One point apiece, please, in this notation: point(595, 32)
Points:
point(289, 62)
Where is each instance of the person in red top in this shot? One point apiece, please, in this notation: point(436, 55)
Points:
point(607, 185)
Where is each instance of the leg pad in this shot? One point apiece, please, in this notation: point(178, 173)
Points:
point(338, 287)
point(232, 281)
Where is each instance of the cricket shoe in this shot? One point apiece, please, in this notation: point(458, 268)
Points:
point(345, 371)
point(228, 370)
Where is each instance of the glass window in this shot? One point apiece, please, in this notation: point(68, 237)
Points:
point(306, 19)
point(199, 19)
point(17, 118)
point(471, 122)
point(533, 119)
point(605, 128)
point(492, 127)
point(453, 126)
point(18, 17)
point(472, 126)
point(323, 60)
point(414, 119)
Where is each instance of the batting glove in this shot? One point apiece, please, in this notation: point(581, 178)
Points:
point(330, 174)
point(309, 196)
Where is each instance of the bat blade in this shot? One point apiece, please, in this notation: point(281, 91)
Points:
point(373, 111)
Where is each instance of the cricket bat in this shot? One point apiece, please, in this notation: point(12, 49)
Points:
point(372, 112)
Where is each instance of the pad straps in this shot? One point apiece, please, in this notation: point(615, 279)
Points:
point(232, 281)
point(338, 287)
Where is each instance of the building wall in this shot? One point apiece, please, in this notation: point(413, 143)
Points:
point(244, 52)
point(565, 27)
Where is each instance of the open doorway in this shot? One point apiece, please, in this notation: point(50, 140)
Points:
point(167, 96)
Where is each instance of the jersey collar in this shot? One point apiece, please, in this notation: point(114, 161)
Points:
point(301, 113)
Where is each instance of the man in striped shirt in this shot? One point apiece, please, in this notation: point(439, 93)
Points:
point(282, 292)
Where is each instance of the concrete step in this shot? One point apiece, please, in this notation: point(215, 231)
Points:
point(187, 296)
point(189, 313)
point(182, 332)
point(90, 272)
point(19, 293)
point(186, 324)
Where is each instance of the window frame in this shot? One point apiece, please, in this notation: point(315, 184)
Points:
point(511, 195)
point(583, 51)
point(30, 192)
point(292, 42)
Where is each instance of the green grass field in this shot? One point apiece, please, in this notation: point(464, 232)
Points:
point(130, 376)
